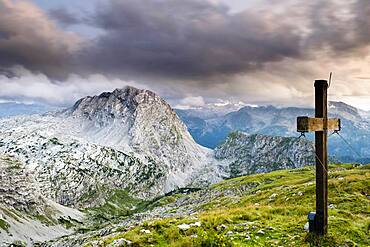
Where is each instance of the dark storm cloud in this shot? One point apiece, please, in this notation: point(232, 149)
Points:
point(186, 39)
point(341, 26)
point(362, 21)
point(64, 16)
point(177, 39)
point(4, 35)
point(199, 39)
point(184, 49)
point(29, 38)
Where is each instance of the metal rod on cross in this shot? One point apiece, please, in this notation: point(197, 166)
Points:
point(318, 222)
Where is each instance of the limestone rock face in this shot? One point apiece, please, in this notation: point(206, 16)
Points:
point(248, 154)
point(17, 188)
point(127, 139)
point(25, 213)
point(141, 122)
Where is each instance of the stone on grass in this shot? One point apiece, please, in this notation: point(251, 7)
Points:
point(272, 197)
point(121, 243)
point(306, 226)
point(197, 224)
point(184, 226)
point(221, 227)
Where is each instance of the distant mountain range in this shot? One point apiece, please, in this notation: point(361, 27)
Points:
point(273, 121)
point(210, 125)
point(212, 110)
point(10, 109)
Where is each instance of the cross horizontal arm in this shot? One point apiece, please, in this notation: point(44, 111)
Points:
point(306, 124)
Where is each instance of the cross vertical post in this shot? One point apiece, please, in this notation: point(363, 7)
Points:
point(320, 124)
point(321, 139)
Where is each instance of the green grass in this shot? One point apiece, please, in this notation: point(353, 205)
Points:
point(119, 203)
point(276, 203)
point(55, 141)
point(4, 225)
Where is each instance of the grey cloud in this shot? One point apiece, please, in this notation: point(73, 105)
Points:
point(65, 17)
point(196, 41)
point(341, 26)
point(30, 39)
point(186, 39)
point(362, 21)
point(4, 35)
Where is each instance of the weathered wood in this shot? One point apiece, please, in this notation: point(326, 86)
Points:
point(306, 124)
point(321, 139)
point(320, 125)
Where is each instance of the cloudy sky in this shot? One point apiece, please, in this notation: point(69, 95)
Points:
point(260, 52)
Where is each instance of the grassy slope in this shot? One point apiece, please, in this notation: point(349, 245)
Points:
point(276, 203)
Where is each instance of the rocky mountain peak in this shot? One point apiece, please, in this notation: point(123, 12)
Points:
point(129, 139)
point(121, 105)
point(139, 121)
point(114, 104)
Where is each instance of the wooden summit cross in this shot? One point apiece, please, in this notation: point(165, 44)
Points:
point(318, 222)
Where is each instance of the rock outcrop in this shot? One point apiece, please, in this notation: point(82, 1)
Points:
point(248, 154)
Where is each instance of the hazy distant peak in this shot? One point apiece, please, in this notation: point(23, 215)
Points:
point(340, 104)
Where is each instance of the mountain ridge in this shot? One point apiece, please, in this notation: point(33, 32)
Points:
point(255, 153)
point(274, 121)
